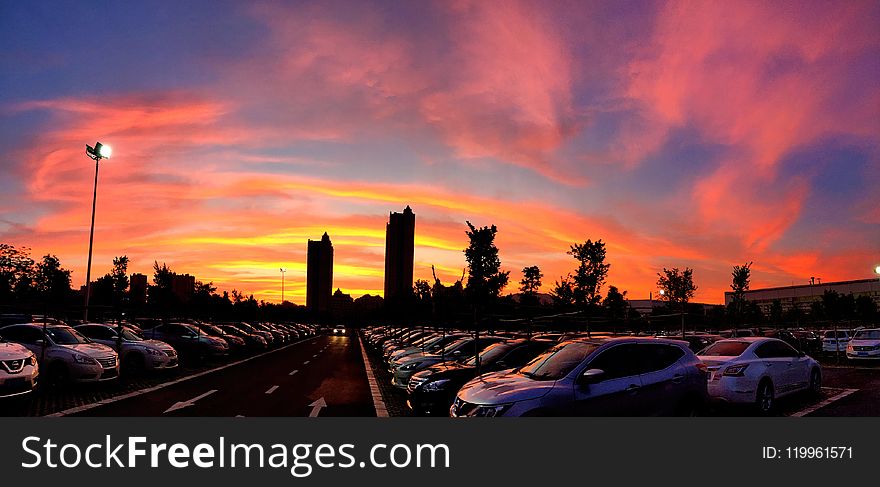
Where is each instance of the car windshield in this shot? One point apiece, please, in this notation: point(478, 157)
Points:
point(725, 348)
point(867, 335)
point(63, 335)
point(492, 353)
point(840, 334)
point(557, 362)
point(131, 335)
point(450, 346)
point(213, 330)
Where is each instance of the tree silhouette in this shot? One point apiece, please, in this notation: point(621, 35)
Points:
point(530, 284)
point(485, 277)
point(678, 288)
point(741, 275)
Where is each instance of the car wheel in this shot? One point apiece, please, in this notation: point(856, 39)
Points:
point(815, 382)
point(765, 399)
point(59, 376)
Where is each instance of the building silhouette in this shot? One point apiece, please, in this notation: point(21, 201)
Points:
point(183, 287)
point(399, 245)
point(319, 275)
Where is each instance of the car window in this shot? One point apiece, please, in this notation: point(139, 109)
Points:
point(557, 362)
point(63, 335)
point(97, 332)
point(617, 361)
point(520, 355)
point(867, 335)
point(775, 349)
point(725, 348)
point(22, 334)
point(654, 357)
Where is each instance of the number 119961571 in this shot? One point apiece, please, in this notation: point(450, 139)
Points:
point(807, 453)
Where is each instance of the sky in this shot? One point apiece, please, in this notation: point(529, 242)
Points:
point(682, 134)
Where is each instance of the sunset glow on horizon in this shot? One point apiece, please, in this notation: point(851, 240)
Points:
point(680, 133)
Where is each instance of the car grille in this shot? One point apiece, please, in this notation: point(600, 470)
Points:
point(863, 349)
point(461, 408)
point(14, 366)
point(15, 386)
point(107, 362)
point(414, 383)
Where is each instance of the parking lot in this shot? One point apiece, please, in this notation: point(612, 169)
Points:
point(327, 375)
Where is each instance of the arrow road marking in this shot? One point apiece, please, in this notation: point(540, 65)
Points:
point(191, 402)
point(295, 371)
point(271, 389)
point(316, 407)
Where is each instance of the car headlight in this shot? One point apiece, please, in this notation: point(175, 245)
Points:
point(410, 366)
point(849, 348)
point(32, 360)
point(435, 385)
point(153, 351)
point(736, 370)
point(83, 359)
point(489, 411)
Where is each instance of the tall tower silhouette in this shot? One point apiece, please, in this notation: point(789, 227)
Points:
point(319, 275)
point(399, 246)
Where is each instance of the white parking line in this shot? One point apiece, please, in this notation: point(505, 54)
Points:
point(378, 402)
point(822, 404)
point(110, 400)
point(293, 372)
point(306, 362)
point(315, 356)
point(239, 416)
point(271, 389)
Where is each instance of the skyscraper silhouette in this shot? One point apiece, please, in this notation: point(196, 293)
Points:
point(399, 244)
point(319, 275)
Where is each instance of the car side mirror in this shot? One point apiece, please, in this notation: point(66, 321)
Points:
point(456, 353)
point(591, 376)
point(40, 342)
point(500, 365)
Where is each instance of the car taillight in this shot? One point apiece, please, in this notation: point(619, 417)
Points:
point(735, 370)
point(702, 367)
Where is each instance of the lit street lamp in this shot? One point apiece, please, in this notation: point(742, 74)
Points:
point(283, 270)
point(98, 152)
point(877, 270)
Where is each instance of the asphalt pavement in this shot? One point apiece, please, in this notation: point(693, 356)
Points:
point(320, 376)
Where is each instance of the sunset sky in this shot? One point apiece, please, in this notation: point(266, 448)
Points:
point(702, 134)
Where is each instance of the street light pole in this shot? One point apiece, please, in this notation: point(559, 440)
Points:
point(283, 270)
point(100, 151)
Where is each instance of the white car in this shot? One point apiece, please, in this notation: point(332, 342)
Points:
point(339, 330)
point(865, 344)
point(64, 354)
point(18, 370)
point(758, 370)
point(833, 344)
point(137, 353)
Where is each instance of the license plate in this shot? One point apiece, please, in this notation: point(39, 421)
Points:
point(862, 354)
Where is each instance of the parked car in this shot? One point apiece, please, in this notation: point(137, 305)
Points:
point(279, 337)
point(19, 371)
point(758, 370)
point(697, 341)
point(64, 354)
point(811, 342)
point(630, 376)
point(431, 345)
point(836, 341)
point(246, 327)
point(252, 340)
point(462, 349)
point(738, 333)
point(136, 352)
point(786, 336)
point(236, 344)
point(865, 344)
point(431, 391)
point(188, 340)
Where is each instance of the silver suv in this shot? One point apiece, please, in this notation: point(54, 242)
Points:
point(135, 352)
point(611, 377)
point(64, 353)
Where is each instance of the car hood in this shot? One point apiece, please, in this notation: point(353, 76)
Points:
point(504, 387)
point(13, 351)
point(91, 349)
point(864, 343)
point(157, 344)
